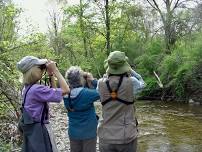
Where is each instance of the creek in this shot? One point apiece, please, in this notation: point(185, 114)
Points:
point(169, 127)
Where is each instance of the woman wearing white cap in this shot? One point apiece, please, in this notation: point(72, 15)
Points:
point(34, 124)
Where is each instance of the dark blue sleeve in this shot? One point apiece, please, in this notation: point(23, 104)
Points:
point(66, 102)
point(94, 83)
point(92, 95)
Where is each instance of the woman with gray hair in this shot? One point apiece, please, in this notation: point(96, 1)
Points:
point(81, 112)
point(34, 123)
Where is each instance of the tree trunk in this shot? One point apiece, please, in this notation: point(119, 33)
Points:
point(170, 37)
point(107, 22)
point(167, 19)
point(82, 29)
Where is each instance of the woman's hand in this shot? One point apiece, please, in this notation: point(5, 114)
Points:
point(51, 67)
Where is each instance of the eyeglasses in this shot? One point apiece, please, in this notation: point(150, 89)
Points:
point(42, 67)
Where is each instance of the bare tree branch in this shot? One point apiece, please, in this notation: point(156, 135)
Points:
point(153, 6)
point(102, 10)
point(97, 30)
point(14, 112)
point(10, 93)
point(176, 5)
point(156, 31)
point(157, 6)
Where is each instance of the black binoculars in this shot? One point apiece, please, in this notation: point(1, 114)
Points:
point(43, 66)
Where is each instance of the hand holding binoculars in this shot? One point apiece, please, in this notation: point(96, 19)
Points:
point(51, 67)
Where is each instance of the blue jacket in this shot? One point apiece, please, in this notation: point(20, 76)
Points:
point(82, 121)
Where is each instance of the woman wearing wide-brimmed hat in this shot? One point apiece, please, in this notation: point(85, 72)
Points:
point(118, 129)
point(34, 123)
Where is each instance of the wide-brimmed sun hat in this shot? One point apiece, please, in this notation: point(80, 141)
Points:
point(28, 62)
point(116, 63)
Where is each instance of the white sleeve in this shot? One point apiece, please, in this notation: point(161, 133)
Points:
point(135, 74)
point(97, 88)
point(138, 85)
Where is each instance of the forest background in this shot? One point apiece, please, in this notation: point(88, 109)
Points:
point(162, 38)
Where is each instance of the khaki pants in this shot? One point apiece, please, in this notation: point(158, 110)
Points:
point(87, 145)
point(130, 147)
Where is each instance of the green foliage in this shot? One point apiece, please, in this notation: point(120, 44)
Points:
point(3, 110)
point(150, 60)
point(177, 69)
point(189, 70)
point(4, 147)
point(82, 41)
point(152, 87)
point(169, 67)
point(182, 75)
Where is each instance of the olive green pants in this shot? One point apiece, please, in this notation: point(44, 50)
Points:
point(130, 147)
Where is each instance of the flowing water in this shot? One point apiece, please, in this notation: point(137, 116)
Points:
point(163, 127)
point(169, 127)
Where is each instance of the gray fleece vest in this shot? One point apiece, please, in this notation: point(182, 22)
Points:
point(119, 124)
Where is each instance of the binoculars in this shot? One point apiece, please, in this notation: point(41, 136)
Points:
point(43, 66)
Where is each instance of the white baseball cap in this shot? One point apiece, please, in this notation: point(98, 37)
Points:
point(28, 62)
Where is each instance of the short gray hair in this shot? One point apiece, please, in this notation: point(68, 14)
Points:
point(74, 76)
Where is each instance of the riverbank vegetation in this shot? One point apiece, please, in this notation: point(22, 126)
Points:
point(162, 40)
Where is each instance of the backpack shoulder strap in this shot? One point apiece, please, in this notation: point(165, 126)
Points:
point(113, 93)
point(24, 99)
point(119, 84)
point(108, 86)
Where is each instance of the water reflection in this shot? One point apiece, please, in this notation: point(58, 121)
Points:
point(169, 127)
